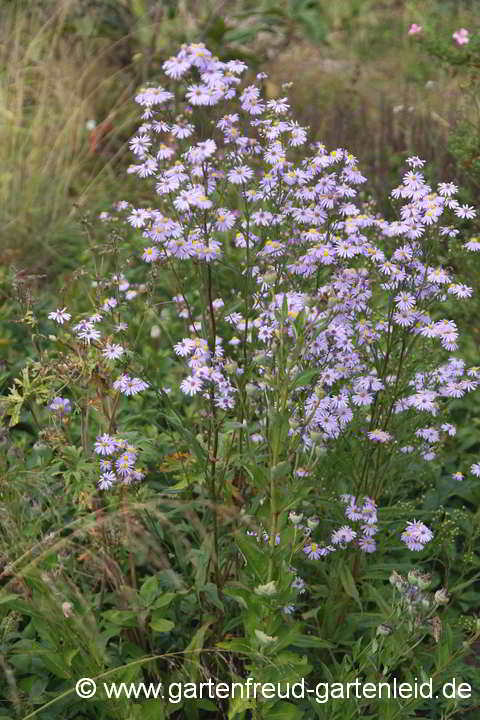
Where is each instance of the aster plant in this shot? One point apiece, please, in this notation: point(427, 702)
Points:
point(313, 326)
point(316, 323)
point(314, 351)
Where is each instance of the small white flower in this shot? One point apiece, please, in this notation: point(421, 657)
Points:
point(59, 315)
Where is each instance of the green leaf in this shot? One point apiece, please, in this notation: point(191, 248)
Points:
point(212, 593)
point(192, 663)
point(124, 618)
point(176, 421)
point(160, 624)
point(7, 598)
point(68, 656)
point(348, 583)
point(280, 470)
point(312, 641)
point(239, 705)
point(151, 710)
point(239, 599)
point(256, 559)
point(149, 590)
point(236, 645)
point(207, 705)
point(55, 664)
point(285, 711)
point(163, 600)
point(304, 378)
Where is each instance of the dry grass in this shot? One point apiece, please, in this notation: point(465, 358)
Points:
point(49, 89)
point(353, 104)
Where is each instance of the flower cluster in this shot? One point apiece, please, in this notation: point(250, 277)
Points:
point(298, 220)
point(416, 535)
point(363, 518)
point(461, 36)
point(117, 463)
point(415, 607)
point(129, 386)
point(87, 332)
point(363, 515)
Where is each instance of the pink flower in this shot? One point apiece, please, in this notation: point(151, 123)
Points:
point(414, 29)
point(461, 36)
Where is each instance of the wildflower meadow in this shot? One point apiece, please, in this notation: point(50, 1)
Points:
point(240, 462)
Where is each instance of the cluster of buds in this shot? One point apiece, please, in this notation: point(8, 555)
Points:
point(417, 603)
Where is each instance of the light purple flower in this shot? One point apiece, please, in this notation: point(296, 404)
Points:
point(240, 174)
point(191, 385)
point(343, 535)
point(60, 405)
point(107, 479)
point(59, 315)
point(314, 551)
point(105, 445)
point(87, 334)
point(465, 211)
point(416, 535)
point(112, 351)
point(150, 254)
point(367, 544)
point(129, 386)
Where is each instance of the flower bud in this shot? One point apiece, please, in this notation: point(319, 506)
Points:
point(384, 629)
point(263, 638)
point(396, 580)
point(425, 602)
point(294, 517)
point(266, 590)
point(67, 609)
point(419, 579)
point(441, 597)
